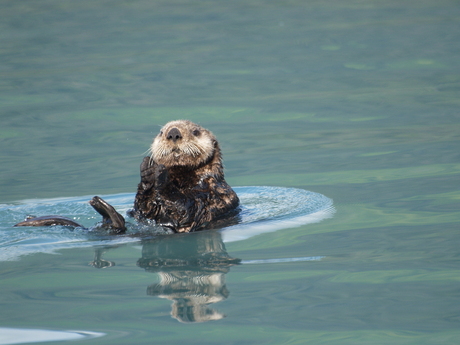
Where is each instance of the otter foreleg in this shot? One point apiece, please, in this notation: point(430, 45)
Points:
point(152, 175)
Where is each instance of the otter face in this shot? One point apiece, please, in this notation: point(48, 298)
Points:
point(183, 143)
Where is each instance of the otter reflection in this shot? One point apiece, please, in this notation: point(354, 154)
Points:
point(191, 268)
point(192, 272)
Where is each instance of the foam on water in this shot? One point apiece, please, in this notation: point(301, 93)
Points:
point(10, 336)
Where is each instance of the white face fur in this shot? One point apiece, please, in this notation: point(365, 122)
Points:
point(182, 143)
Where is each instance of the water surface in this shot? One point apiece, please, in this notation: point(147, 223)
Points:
point(357, 101)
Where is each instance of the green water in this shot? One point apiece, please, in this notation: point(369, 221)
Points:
point(356, 100)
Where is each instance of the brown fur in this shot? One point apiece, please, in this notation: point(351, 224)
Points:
point(182, 183)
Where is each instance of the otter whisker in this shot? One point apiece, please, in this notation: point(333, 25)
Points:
point(191, 150)
point(194, 150)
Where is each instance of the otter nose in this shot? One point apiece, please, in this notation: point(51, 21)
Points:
point(174, 134)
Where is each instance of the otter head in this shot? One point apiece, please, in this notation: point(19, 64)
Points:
point(183, 143)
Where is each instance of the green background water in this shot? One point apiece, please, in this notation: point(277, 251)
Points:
point(357, 100)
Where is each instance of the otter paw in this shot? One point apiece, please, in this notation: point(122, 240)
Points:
point(148, 172)
point(161, 176)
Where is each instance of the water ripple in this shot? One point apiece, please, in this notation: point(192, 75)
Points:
point(21, 335)
point(263, 210)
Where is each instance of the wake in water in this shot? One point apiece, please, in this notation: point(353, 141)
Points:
point(263, 209)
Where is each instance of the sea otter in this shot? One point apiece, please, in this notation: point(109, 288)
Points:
point(182, 182)
point(182, 185)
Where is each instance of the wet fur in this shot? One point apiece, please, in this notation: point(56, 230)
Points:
point(182, 184)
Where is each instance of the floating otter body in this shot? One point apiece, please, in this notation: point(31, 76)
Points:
point(182, 184)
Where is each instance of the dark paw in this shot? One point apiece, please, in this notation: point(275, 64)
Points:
point(148, 171)
point(161, 176)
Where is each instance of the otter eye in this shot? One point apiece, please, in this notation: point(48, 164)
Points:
point(196, 132)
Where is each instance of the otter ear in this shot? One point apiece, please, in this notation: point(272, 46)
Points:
point(215, 143)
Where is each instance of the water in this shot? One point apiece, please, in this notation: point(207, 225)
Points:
point(356, 101)
point(262, 210)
